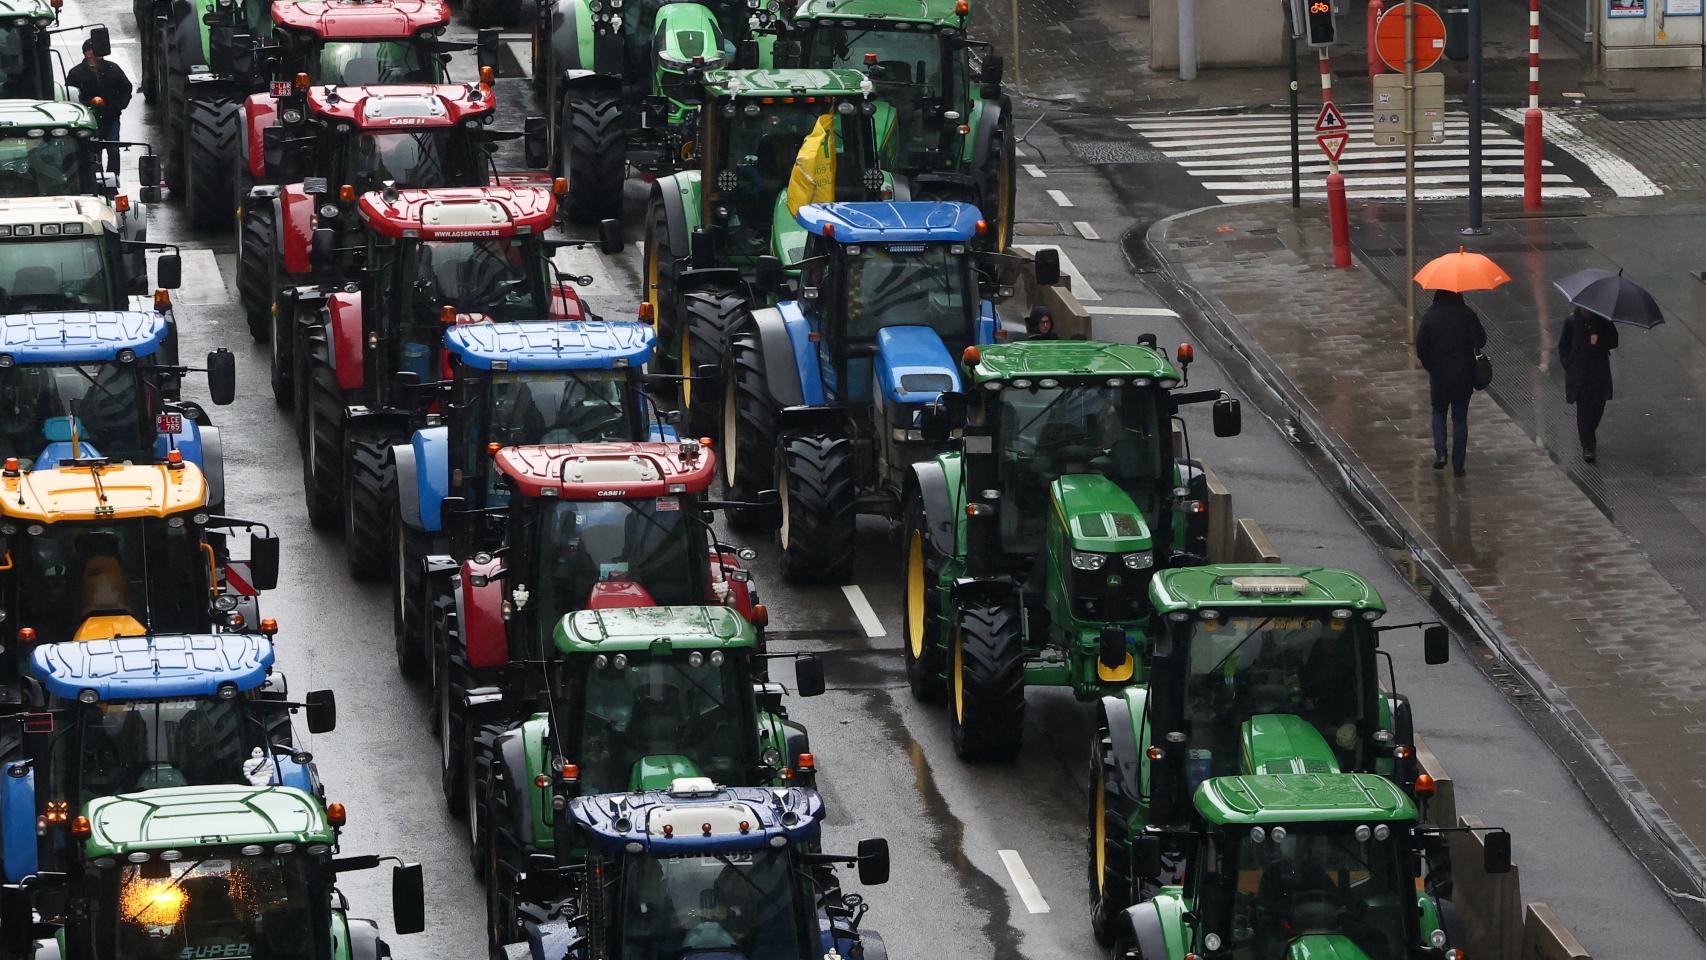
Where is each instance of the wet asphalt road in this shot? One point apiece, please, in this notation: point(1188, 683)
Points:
point(887, 766)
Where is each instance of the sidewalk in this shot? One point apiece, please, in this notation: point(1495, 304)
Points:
point(1588, 579)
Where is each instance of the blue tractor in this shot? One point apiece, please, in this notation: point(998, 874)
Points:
point(698, 869)
point(824, 395)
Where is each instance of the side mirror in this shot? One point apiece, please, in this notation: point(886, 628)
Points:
point(148, 194)
point(322, 249)
point(486, 49)
point(1436, 645)
point(453, 514)
point(1228, 417)
point(263, 562)
point(322, 710)
point(169, 271)
point(873, 862)
point(1112, 653)
point(148, 170)
point(994, 66)
point(937, 420)
point(408, 899)
point(1048, 267)
point(1496, 852)
point(609, 236)
point(243, 54)
point(808, 676)
point(103, 41)
point(222, 376)
point(768, 273)
point(1146, 856)
point(536, 142)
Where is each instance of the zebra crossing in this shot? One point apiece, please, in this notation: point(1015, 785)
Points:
point(1246, 157)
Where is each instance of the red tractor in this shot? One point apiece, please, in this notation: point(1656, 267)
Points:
point(586, 526)
point(432, 258)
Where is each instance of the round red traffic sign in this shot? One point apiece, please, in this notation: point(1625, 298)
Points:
point(1429, 36)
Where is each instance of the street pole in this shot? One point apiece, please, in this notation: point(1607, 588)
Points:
point(1410, 164)
point(1018, 74)
point(1187, 39)
point(1476, 227)
point(1338, 213)
point(1531, 129)
point(1296, 160)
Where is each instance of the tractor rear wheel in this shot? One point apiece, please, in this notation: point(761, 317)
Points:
point(370, 492)
point(282, 364)
point(987, 707)
point(480, 751)
point(1108, 845)
point(408, 598)
point(592, 156)
point(814, 484)
point(150, 73)
point(748, 440)
point(921, 566)
point(171, 105)
point(998, 187)
point(707, 318)
point(452, 724)
point(211, 129)
point(660, 275)
point(323, 426)
point(257, 267)
point(504, 860)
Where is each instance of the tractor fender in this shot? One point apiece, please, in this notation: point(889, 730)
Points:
point(295, 228)
point(798, 741)
point(292, 773)
point(213, 465)
point(1123, 716)
point(566, 303)
point(988, 590)
point(929, 482)
point(510, 749)
point(408, 495)
point(913, 365)
point(680, 212)
point(186, 39)
point(430, 458)
point(18, 820)
point(343, 318)
point(364, 940)
point(989, 117)
point(790, 358)
point(571, 37)
point(257, 113)
point(485, 638)
point(1140, 928)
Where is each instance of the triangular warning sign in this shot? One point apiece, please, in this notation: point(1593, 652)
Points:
point(1333, 144)
point(1330, 119)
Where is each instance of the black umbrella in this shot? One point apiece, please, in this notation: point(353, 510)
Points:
point(1612, 296)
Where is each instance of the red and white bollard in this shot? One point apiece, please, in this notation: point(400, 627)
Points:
point(1338, 216)
point(1375, 66)
point(1532, 135)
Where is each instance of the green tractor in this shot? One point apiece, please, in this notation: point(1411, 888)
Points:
point(633, 699)
point(26, 49)
point(1300, 865)
point(1028, 551)
point(1275, 656)
point(52, 148)
point(721, 238)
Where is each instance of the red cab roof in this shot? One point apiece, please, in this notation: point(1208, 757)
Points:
point(450, 213)
point(401, 105)
point(361, 19)
point(608, 471)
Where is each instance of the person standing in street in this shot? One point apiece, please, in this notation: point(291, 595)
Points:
point(1447, 340)
point(103, 87)
point(1039, 325)
point(1585, 347)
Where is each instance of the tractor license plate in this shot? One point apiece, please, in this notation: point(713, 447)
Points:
point(170, 423)
point(281, 88)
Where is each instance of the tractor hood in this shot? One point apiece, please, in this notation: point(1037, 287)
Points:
point(1099, 516)
point(658, 771)
point(913, 366)
point(1281, 743)
point(1324, 946)
point(686, 31)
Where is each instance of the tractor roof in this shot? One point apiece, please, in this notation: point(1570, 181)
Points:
point(361, 19)
point(460, 213)
point(908, 221)
point(1071, 358)
point(608, 471)
point(936, 12)
point(1261, 585)
point(696, 815)
point(55, 217)
point(660, 630)
point(552, 345)
point(126, 491)
point(154, 667)
point(95, 335)
point(838, 82)
point(205, 816)
point(46, 113)
point(404, 105)
point(28, 9)
point(1289, 798)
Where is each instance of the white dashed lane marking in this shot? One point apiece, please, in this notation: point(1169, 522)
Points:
point(1035, 170)
point(1085, 230)
point(862, 609)
point(1022, 882)
point(1060, 199)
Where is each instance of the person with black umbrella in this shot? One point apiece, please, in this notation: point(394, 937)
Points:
point(1585, 347)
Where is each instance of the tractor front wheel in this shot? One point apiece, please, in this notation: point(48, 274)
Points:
point(504, 859)
point(1108, 845)
point(592, 156)
point(998, 187)
point(452, 726)
point(660, 273)
point(814, 484)
point(926, 660)
point(408, 599)
point(257, 267)
point(707, 318)
point(987, 708)
point(211, 129)
point(323, 427)
point(748, 440)
point(370, 495)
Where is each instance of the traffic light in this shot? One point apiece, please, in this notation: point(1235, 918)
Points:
point(1323, 25)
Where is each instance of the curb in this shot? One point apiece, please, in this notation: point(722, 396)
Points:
point(1452, 588)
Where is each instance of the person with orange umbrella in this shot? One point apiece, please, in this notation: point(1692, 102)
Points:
point(1449, 342)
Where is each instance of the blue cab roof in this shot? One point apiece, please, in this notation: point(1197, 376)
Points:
point(80, 337)
point(556, 345)
point(894, 222)
point(612, 821)
point(154, 667)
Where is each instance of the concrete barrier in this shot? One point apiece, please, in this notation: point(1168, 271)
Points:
point(1545, 937)
point(1251, 545)
point(1442, 809)
point(1489, 906)
point(1220, 539)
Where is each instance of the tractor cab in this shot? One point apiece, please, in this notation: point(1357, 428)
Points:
point(70, 254)
point(52, 148)
point(360, 42)
point(27, 70)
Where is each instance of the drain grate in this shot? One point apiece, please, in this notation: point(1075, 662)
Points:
point(1103, 152)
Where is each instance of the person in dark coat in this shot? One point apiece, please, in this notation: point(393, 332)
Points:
point(1585, 346)
point(1447, 340)
point(103, 87)
point(1040, 324)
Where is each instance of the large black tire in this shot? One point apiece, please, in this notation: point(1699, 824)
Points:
point(1000, 190)
point(408, 598)
point(323, 428)
point(282, 362)
point(479, 753)
point(658, 273)
point(590, 144)
point(708, 316)
point(452, 724)
point(987, 708)
point(747, 440)
point(257, 268)
point(814, 484)
point(370, 491)
point(926, 655)
point(504, 856)
point(1108, 849)
point(171, 105)
point(211, 129)
point(149, 78)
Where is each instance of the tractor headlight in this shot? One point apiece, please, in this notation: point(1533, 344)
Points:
point(328, 211)
point(225, 603)
point(1088, 561)
point(1211, 942)
point(291, 115)
point(1437, 938)
point(1139, 561)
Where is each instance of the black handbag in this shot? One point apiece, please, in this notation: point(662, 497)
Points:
point(1483, 374)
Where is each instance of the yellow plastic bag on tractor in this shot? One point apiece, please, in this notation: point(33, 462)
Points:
point(813, 179)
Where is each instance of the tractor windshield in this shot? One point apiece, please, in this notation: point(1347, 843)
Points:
point(420, 158)
point(908, 284)
point(263, 905)
point(148, 570)
point(1319, 881)
point(126, 746)
point(41, 166)
point(40, 276)
point(649, 719)
point(353, 63)
point(540, 406)
point(917, 73)
point(111, 401)
point(501, 280)
point(1045, 430)
point(23, 61)
point(763, 142)
point(618, 553)
point(743, 903)
point(1242, 665)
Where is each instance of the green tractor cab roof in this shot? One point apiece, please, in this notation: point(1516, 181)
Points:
point(654, 630)
point(28, 10)
point(932, 12)
point(1291, 798)
point(202, 817)
point(1068, 359)
point(45, 115)
point(1100, 515)
point(1261, 585)
point(783, 83)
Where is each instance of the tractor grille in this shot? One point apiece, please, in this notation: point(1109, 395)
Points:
point(1111, 594)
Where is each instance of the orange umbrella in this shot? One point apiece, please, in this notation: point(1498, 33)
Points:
point(1461, 271)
